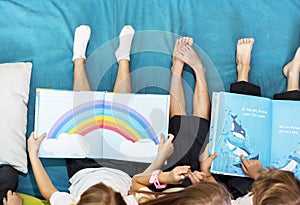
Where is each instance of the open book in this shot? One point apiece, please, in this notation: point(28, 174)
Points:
point(100, 125)
point(256, 127)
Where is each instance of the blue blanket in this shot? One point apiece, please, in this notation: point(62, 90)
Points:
point(42, 32)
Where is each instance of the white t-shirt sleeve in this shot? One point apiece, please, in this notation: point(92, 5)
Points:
point(130, 200)
point(61, 198)
point(245, 200)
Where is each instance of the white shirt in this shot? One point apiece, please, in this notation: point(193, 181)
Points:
point(245, 200)
point(85, 178)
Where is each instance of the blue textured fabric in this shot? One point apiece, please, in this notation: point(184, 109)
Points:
point(42, 32)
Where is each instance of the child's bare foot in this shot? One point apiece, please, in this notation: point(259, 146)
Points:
point(243, 57)
point(177, 62)
point(12, 199)
point(291, 72)
point(190, 57)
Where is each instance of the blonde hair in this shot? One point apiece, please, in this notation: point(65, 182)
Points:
point(205, 193)
point(100, 194)
point(275, 186)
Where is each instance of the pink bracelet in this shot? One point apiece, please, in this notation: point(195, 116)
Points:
point(154, 180)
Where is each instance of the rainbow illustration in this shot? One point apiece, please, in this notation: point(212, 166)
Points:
point(100, 114)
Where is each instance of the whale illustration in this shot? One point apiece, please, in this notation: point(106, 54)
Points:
point(239, 151)
point(291, 165)
point(237, 129)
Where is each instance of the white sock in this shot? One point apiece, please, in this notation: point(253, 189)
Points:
point(126, 36)
point(81, 39)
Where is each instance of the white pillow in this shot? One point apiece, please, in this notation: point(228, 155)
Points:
point(14, 91)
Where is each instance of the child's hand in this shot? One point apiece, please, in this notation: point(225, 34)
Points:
point(165, 149)
point(206, 164)
point(196, 177)
point(34, 144)
point(12, 199)
point(251, 167)
point(178, 174)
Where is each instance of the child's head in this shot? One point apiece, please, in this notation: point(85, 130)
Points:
point(275, 186)
point(100, 194)
point(205, 193)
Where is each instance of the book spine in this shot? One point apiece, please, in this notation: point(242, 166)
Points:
point(214, 120)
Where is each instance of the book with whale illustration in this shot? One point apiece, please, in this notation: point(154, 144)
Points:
point(96, 124)
point(256, 127)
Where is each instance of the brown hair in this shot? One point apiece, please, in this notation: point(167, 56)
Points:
point(100, 194)
point(205, 193)
point(275, 186)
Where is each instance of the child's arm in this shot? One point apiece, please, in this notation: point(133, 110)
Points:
point(205, 164)
point(165, 149)
point(176, 176)
point(43, 181)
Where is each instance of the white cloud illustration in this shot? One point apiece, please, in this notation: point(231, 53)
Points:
point(65, 145)
point(143, 150)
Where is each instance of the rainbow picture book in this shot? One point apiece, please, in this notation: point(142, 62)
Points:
point(256, 127)
point(96, 124)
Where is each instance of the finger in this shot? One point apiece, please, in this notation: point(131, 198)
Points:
point(192, 178)
point(162, 139)
point(180, 178)
point(185, 169)
point(244, 168)
point(9, 192)
point(198, 177)
point(201, 175)
point(171, 137)
point(244, 160)
point(214, 155)
point(182, 170)
point(32, 135)
point(42, 137)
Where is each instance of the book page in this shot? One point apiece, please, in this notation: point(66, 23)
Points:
point(240, 125)
point(286, 136)
point(133, 124)
point(72, 121)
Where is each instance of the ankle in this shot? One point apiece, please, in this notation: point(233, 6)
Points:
point(243, 71)
point(79, 61)
point(177, 70)
point(123, 61)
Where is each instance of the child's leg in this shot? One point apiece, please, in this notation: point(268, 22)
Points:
point(190, 131)
point(177, 98)
point(123, 81)
point(291, 72)
point(243, 59)
point(81, 39)
point(81, 83)
point(239, 186)
point(201, 101)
